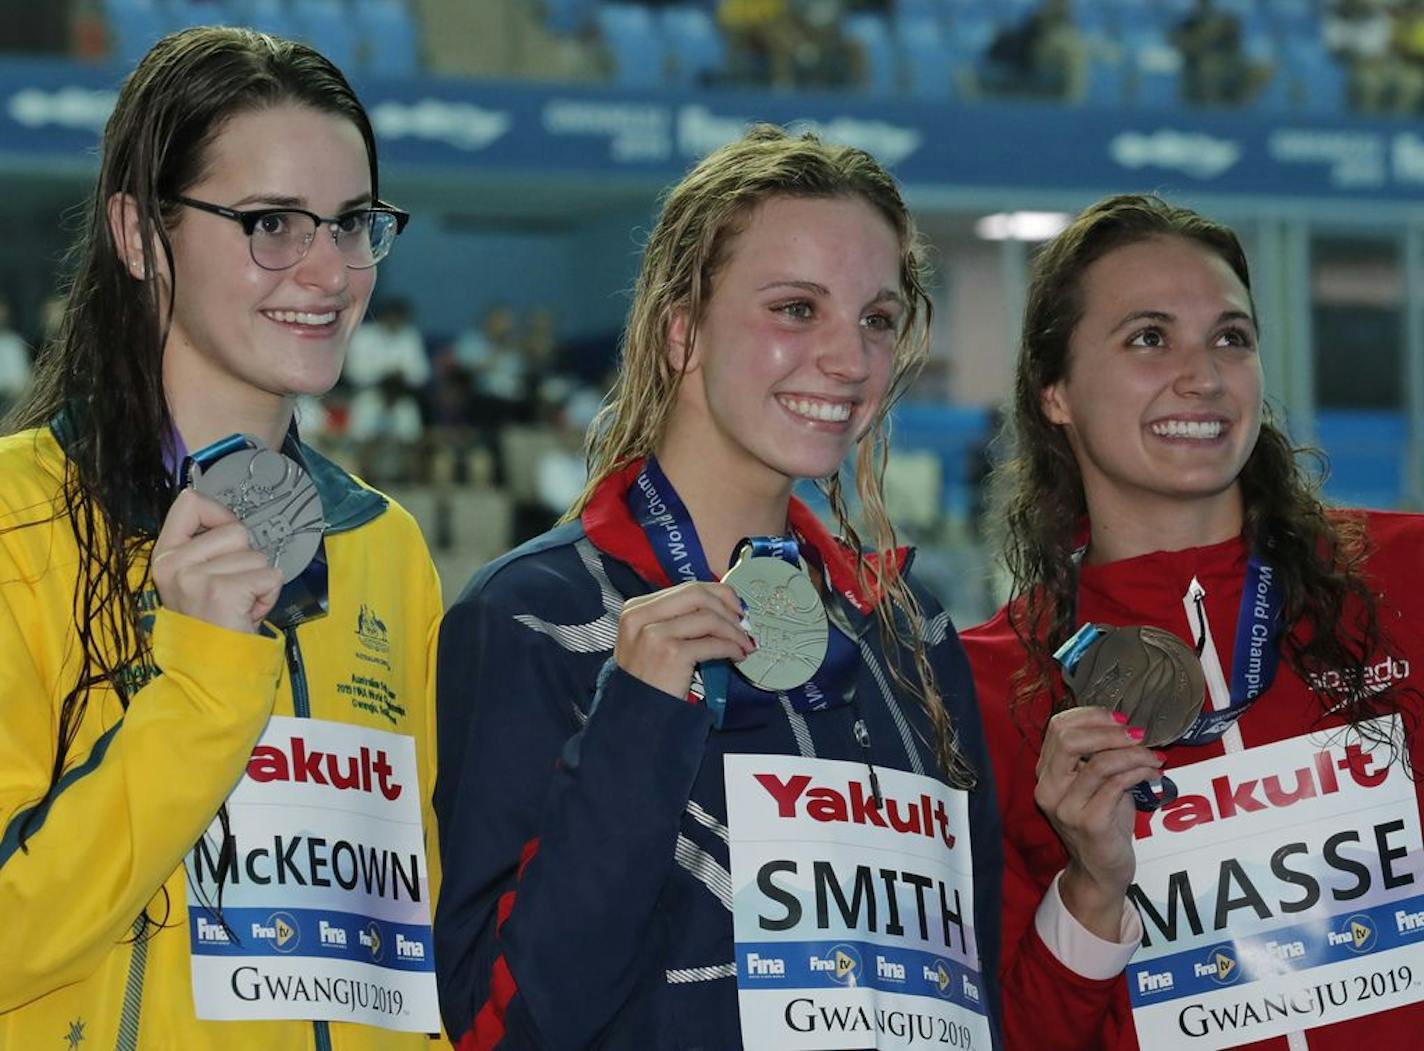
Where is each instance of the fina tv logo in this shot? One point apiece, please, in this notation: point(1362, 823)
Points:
point(941, 979)
point(841, 964)
point(280, 931)
point(373, 940)
point(1221, 966)
point(1357, 934)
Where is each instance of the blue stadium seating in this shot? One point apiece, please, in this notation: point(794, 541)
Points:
point(949, 431)
point(185, 13)
point(569, 16)
point(695, 44)
point(629, 33)
point(927, 60)
point(390, 37)
point(269, 16)
point(327, 25)
point(134, 26)
point(1367, 451)
point(881, 64)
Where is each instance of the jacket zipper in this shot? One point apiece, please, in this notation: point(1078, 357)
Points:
point(301, 708)
point(1194, 602)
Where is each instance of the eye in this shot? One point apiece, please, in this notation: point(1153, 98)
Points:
point(880, 321)
point(798, 309)
point(1151, 336)
point(353, 222)
point(273, 224)
point(1236, 337)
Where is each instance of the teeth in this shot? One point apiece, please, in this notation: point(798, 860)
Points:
point(831, 412)
point(1187, 429)
point(299, 317)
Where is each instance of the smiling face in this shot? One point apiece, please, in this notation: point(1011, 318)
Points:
point(1161, 402)
point(795, 347)
point(242, 334)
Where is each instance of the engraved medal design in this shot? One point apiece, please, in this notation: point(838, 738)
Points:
point(273, 498)
point(1148, 674)
point(788, 622)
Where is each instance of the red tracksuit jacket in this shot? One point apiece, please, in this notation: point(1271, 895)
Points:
point(1079, 1013)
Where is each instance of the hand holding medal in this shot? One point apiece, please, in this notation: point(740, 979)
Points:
point(784, 614)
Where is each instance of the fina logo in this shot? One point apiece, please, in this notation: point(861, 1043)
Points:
point(459, 124)
point(280, 931)
point(841, 963)
point(1357, 934)
point(1192, 153)
point(1220, 966)
point(371, 938)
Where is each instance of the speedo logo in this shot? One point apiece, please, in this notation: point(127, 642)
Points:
point(363, 772)
point(1229, 797)
point(1377, 677)
point(919, 817)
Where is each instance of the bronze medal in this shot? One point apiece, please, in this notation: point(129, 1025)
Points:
point(787, 621)
point(273, 498)
point(1148, 674)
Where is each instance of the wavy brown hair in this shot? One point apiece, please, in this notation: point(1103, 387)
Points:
point(104, 370)
point(1038, 491)
point(700, 219)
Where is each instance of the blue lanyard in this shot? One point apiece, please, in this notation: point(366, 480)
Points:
point(1256, 656)
point(664, 519)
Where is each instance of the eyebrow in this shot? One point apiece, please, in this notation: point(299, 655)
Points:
point(277, 200)
point(1163, 316)
point(817, 289)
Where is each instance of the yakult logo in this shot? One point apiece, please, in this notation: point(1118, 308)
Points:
point(919, 817)
point(1229, 797)
point(363, 772)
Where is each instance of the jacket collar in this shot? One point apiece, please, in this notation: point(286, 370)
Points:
point(613, 530)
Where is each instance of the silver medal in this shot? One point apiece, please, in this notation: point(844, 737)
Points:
point(788, 622)
point(273, 498)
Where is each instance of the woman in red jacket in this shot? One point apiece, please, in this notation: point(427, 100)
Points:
point(1250, 875)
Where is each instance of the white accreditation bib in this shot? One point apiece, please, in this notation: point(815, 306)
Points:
point(327, 901)
point(1282, 890)
point(854, 923)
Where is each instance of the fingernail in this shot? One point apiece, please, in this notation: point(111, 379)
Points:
point(1161, 756)
point(1119, 718)
point(1137, 733)
point(745, 624)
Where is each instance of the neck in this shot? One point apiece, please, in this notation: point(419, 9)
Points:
point(725, 506)
point(1166, 525)
point(204, 410)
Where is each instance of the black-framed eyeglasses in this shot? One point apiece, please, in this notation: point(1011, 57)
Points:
point(279, 238)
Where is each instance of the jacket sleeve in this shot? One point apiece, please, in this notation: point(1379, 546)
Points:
point(556, 840)
point(125, 811)
point(1047, 1006)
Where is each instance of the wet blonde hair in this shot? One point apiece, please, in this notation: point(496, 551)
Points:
point(700, 219)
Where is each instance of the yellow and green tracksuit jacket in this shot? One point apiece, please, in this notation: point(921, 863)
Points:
point(142, 785)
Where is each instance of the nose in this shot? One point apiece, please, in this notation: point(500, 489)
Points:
point(324, 265)
point(1200, 374)
point(845, 353)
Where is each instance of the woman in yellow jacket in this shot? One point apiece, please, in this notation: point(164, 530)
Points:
point(216, 741)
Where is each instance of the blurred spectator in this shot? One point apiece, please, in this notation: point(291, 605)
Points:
point(1409, 33)
point(490, 353)
point(390, 345)
point(1361, 34)
point(386, 428)
point(15, 367)
point(1045, 55)
point(1216, 70)
point(788, 43)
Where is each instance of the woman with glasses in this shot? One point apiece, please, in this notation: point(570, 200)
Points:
point(215, 734)
point(710, 776)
